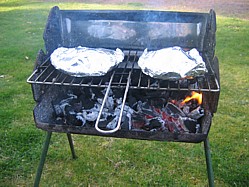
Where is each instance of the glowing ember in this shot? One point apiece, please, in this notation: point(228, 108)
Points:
point(194, 95)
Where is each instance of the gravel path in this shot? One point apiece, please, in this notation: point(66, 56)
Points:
point(235, 8)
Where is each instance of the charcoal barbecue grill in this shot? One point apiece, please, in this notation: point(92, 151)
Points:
point(132, 32)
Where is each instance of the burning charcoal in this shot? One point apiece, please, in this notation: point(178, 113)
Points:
point(109, 103)
point(172, 127)
point(113, 123)
point(138, 124)
point(145, 108)
point(100, 100)
point(90, 115)
point(163, 128)
point(154, 123)
point(190, 124)
point(179, 124)
point(128, 115)
point(138, 120)
point(72, 119)
point(79, 117)
point(59, 108)
point(76, 105)
point(126, 124)
point(104, 123)
point(193, 105)
point(118, 101)
point(127, 112)
point(87, 103)
point(182, 125)
point(139, 106)
point(132, 101)
point(149, 113)
point(186, 109)
point(174, 109)
point(72, 96)
point(196, 113)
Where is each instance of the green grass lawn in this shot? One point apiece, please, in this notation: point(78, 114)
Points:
point(109, 161)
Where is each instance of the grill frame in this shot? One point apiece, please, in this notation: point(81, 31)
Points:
point(44, 91)
point(45, 79)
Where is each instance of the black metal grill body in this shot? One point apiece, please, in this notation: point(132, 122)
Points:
point(141, 29)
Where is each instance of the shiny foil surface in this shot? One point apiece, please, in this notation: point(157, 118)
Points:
point(83, 61)
point(172, 63)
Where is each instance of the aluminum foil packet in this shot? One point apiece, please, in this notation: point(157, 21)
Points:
point(83, 61)
point(172, 63)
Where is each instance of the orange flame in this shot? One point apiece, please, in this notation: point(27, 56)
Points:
point(194, 95)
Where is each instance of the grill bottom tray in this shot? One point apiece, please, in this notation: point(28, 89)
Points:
point(141, 135)
point(45, 120)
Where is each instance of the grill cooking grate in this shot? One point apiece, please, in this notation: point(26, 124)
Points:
point(47, 74)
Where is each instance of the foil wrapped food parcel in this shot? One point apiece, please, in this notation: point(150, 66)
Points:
point(172, 63)
point(84, 61)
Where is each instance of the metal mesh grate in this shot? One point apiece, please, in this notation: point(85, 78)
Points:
point(47, 74)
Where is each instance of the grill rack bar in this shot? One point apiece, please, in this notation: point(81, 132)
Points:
point(48, 75)
point(121, 110)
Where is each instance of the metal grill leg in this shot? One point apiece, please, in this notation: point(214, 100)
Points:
point(209, 163)
point(69, 137)
point(42, 160)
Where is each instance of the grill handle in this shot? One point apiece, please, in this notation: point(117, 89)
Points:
point(122, 107)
